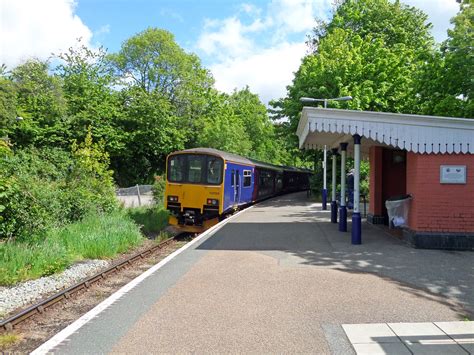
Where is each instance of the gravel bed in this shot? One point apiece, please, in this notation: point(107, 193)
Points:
point(26, 292)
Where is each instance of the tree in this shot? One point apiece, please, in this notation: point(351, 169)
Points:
point(149, 133)
point(41, 103)
point(91, 101)
point(219, 127)
point(253, 114)
point(8, 104)
point(371, 50)
point(446, 85)
point(153, 61)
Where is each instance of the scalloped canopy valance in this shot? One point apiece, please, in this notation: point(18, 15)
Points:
point(419, 134)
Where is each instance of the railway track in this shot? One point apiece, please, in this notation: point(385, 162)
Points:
point(11, 322)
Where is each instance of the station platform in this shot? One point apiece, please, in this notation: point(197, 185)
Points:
point(277, 278)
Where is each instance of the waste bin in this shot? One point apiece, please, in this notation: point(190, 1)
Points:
point(397, 209)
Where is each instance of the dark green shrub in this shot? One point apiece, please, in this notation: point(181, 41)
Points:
point(159, 189)
point(48, 188)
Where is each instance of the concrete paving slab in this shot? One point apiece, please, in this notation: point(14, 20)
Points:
point(419, 332)
point(443, 348)
point(381, 349)
point(459, 331)
point(370, 333)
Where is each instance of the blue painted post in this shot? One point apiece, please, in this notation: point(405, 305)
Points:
point(356, 220)
point(325, 191)
point(342, 206)
point(333, 196)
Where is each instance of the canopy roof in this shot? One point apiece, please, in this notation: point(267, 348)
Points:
point(414, 133)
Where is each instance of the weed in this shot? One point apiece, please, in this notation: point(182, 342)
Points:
point(150, 219)
point(8, 339)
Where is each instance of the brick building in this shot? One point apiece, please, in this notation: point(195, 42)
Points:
point(430, 158)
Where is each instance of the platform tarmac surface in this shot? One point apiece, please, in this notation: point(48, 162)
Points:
point(280, 278)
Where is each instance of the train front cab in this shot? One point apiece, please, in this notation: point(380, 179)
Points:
point(194, 192)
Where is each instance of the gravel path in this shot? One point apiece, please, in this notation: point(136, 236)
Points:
point(26, 292)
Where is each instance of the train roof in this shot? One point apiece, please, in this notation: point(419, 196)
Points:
point(240, 159)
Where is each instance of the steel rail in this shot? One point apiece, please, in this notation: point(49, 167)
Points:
point(9, 323)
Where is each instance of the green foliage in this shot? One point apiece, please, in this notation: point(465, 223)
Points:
point(23, 261)
point(151, 132)
point(155, 63)
point(445, 85)
point(8, 106)
point(99, 236)
point(159, 190)
point(151, 220)
point(45, 188)
point(95, 237)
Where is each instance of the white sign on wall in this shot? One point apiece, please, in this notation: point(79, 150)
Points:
point(452, 174)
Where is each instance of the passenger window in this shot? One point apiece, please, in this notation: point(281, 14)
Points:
point(232, 178)
point(214, 170)
point(247, 178)
point(195, 169)
point(237, 180)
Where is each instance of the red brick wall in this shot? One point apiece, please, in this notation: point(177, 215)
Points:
point(439, 207)
point(375, 181)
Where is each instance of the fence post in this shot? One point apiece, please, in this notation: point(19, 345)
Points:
point(139, 197)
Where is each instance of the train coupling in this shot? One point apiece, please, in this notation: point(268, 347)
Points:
point(189, 218)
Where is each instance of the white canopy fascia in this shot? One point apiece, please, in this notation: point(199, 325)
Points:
point(415, 133)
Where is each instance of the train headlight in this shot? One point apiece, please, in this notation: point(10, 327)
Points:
point(172, 198)
point(213, 202)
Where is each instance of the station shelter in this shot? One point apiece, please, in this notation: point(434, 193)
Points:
point(429, 158)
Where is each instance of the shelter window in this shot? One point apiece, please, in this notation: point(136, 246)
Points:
point(247, 178)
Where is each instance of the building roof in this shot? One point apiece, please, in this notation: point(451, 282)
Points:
point(414, 133)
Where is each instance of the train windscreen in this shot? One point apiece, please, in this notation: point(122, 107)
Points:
point(195, 169)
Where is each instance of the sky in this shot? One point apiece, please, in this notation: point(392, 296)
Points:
point(252, 42)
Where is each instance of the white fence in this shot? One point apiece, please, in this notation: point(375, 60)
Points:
point(135, 196)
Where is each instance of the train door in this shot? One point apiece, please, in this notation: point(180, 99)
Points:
point(237, 186)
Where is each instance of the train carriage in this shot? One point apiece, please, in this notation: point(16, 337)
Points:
point(205, 184)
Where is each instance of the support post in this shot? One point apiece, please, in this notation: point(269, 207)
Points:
point(356, 219)
point(342, 206)
point(325, 191)
point(333, 186)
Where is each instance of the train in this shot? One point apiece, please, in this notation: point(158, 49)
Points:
point(203, 185)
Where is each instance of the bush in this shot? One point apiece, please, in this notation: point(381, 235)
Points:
point(150, 219)
point(159, 189)
point(48, 188)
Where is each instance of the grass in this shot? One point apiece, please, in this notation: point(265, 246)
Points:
point(151, 219)
point(8, 339)
point(95, 237)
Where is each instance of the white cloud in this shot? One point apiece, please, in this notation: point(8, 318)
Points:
point(30, 28)
point(253, 46)
point(267, 72)
point(439, 12)
point(227, 37)
point(262, 47)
